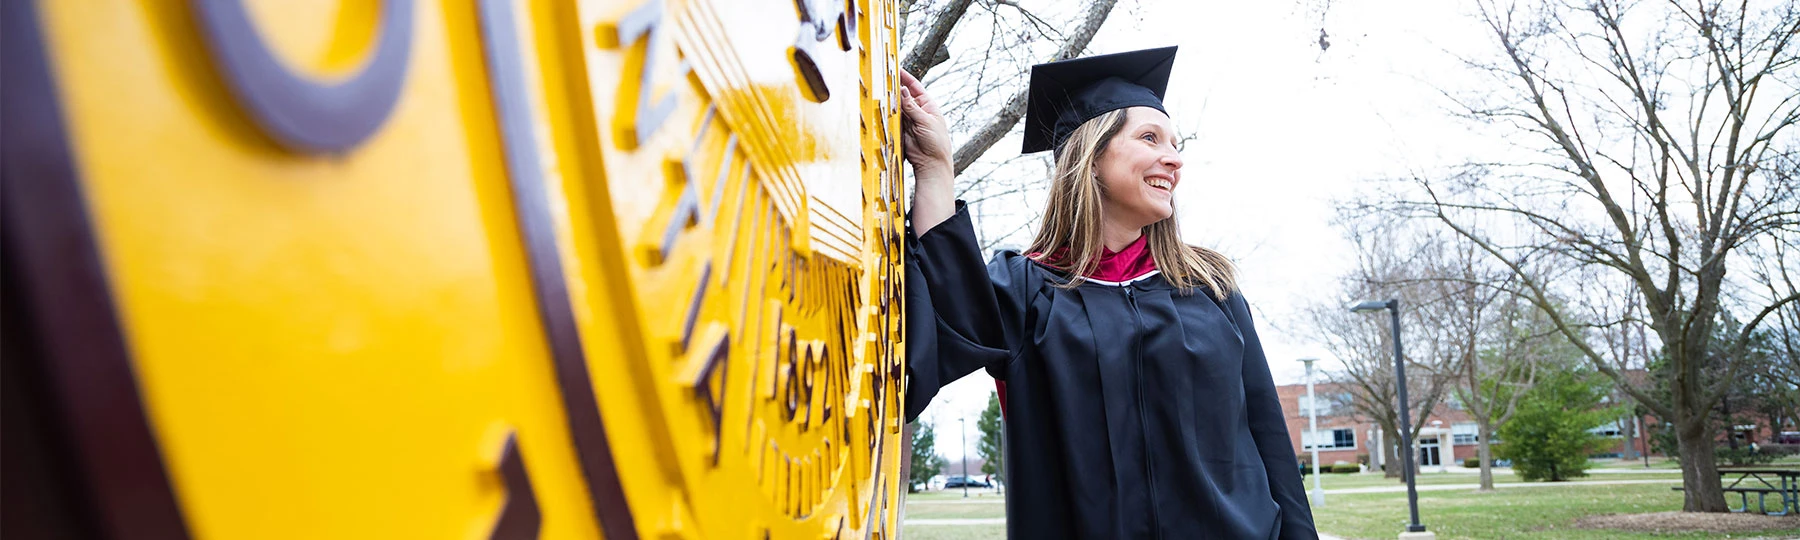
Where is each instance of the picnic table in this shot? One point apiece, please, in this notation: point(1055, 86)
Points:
point(1782, 483)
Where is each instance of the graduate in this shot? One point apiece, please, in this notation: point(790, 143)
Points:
point(1138, 401)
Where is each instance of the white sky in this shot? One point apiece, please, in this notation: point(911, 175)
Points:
point(1283, 131)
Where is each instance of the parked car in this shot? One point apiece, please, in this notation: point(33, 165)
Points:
point(960, 481)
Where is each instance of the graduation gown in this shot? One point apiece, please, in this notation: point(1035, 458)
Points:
point(1134, 411)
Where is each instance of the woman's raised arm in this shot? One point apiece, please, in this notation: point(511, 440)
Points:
point(925, 141)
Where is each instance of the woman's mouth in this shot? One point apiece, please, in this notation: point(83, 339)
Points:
point(1160, 183)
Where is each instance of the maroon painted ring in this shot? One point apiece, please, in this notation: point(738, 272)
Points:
point(301, 114)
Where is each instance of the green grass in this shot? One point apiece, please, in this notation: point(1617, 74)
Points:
point(954, 495)
point(1543, 512)
point(1365, 480)
point(1526, 512)
point(1342, 481)
point(954, 511)
point(953, 532)
point(1670, 464)
point(947, 504)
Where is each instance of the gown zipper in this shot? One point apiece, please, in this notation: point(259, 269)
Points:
point(1137, 356)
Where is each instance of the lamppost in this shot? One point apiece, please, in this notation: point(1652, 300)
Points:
point(1312, 426)
point(1415, 529)
point(965, 457)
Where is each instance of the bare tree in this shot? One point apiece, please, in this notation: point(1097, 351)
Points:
point(1389, 260)
point(1484, 334)
point(978, 55)
point(929, 50)
point(1671, 120)
point(1774, 269)
point(1493, 379)
point(1003, 123)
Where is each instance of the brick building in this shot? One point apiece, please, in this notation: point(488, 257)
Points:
point(1448, 436)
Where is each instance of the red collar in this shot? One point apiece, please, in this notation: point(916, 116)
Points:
point(1125, 265)
point(1128, 264)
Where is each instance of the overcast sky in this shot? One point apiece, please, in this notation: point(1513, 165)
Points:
point(1284, 130)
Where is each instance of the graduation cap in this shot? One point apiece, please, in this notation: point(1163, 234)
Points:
point(1066, 94)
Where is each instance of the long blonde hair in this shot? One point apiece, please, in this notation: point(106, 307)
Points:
point(1069, 239)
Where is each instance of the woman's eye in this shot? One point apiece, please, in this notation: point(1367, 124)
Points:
point(1149, 137)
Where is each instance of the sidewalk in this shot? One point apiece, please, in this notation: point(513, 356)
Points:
point(1002, 521)
point(1401, 488)
point(1455, 487)
point(1608, 470)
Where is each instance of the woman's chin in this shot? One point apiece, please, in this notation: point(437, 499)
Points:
point(1152, 216)
point(1161, 210)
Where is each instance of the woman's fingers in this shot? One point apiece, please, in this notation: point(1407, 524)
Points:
point(925, 137)
point(912, 86)
point(908, 82)
point(911, 107)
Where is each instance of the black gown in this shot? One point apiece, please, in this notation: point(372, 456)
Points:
point(1133, 411)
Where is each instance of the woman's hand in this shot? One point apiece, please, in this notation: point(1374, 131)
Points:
point(925, 141)
point(924, 134)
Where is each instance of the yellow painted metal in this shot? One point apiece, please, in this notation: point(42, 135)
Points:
point(334, 346)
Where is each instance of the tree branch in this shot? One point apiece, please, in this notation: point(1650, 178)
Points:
point(1009, 115)
point(930, 51)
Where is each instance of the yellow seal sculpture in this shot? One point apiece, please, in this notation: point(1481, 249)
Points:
point(484, 268)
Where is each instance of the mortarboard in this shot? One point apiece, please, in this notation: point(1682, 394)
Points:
point(1065, 94)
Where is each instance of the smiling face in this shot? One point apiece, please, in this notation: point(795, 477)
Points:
point(1139, 169)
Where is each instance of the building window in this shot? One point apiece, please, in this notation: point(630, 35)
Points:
point(1332, 439)
point(1306, 403)
point(1610, 429)
point(1329, 404)
point(1464, 433)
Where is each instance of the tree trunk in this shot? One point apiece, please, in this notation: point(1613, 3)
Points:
point(1484, 453)
point(1392, 441)
point(1699, 474)
point(1693, 414)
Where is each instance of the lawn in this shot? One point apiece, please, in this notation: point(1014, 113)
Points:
point(1670, 464)
point(922, 510)
point(953, 532)
point(954, 495)
point(1535, 512)
point(950, 504)
point(1366, 480)
point(1543, 512)
point(1342, 481)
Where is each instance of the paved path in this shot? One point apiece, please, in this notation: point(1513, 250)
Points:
point(1002, 521)
point(963, 521)
point(1609, 470)
point(1375, 489)
point(1634, 471)
point(1456, 487)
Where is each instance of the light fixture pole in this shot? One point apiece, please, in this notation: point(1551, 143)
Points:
point(1406, 457)
point(965, 457)
point(1312, 426)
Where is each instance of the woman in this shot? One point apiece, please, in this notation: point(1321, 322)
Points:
point(1139, 404)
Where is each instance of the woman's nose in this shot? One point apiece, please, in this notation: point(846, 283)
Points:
point(1172, 160)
